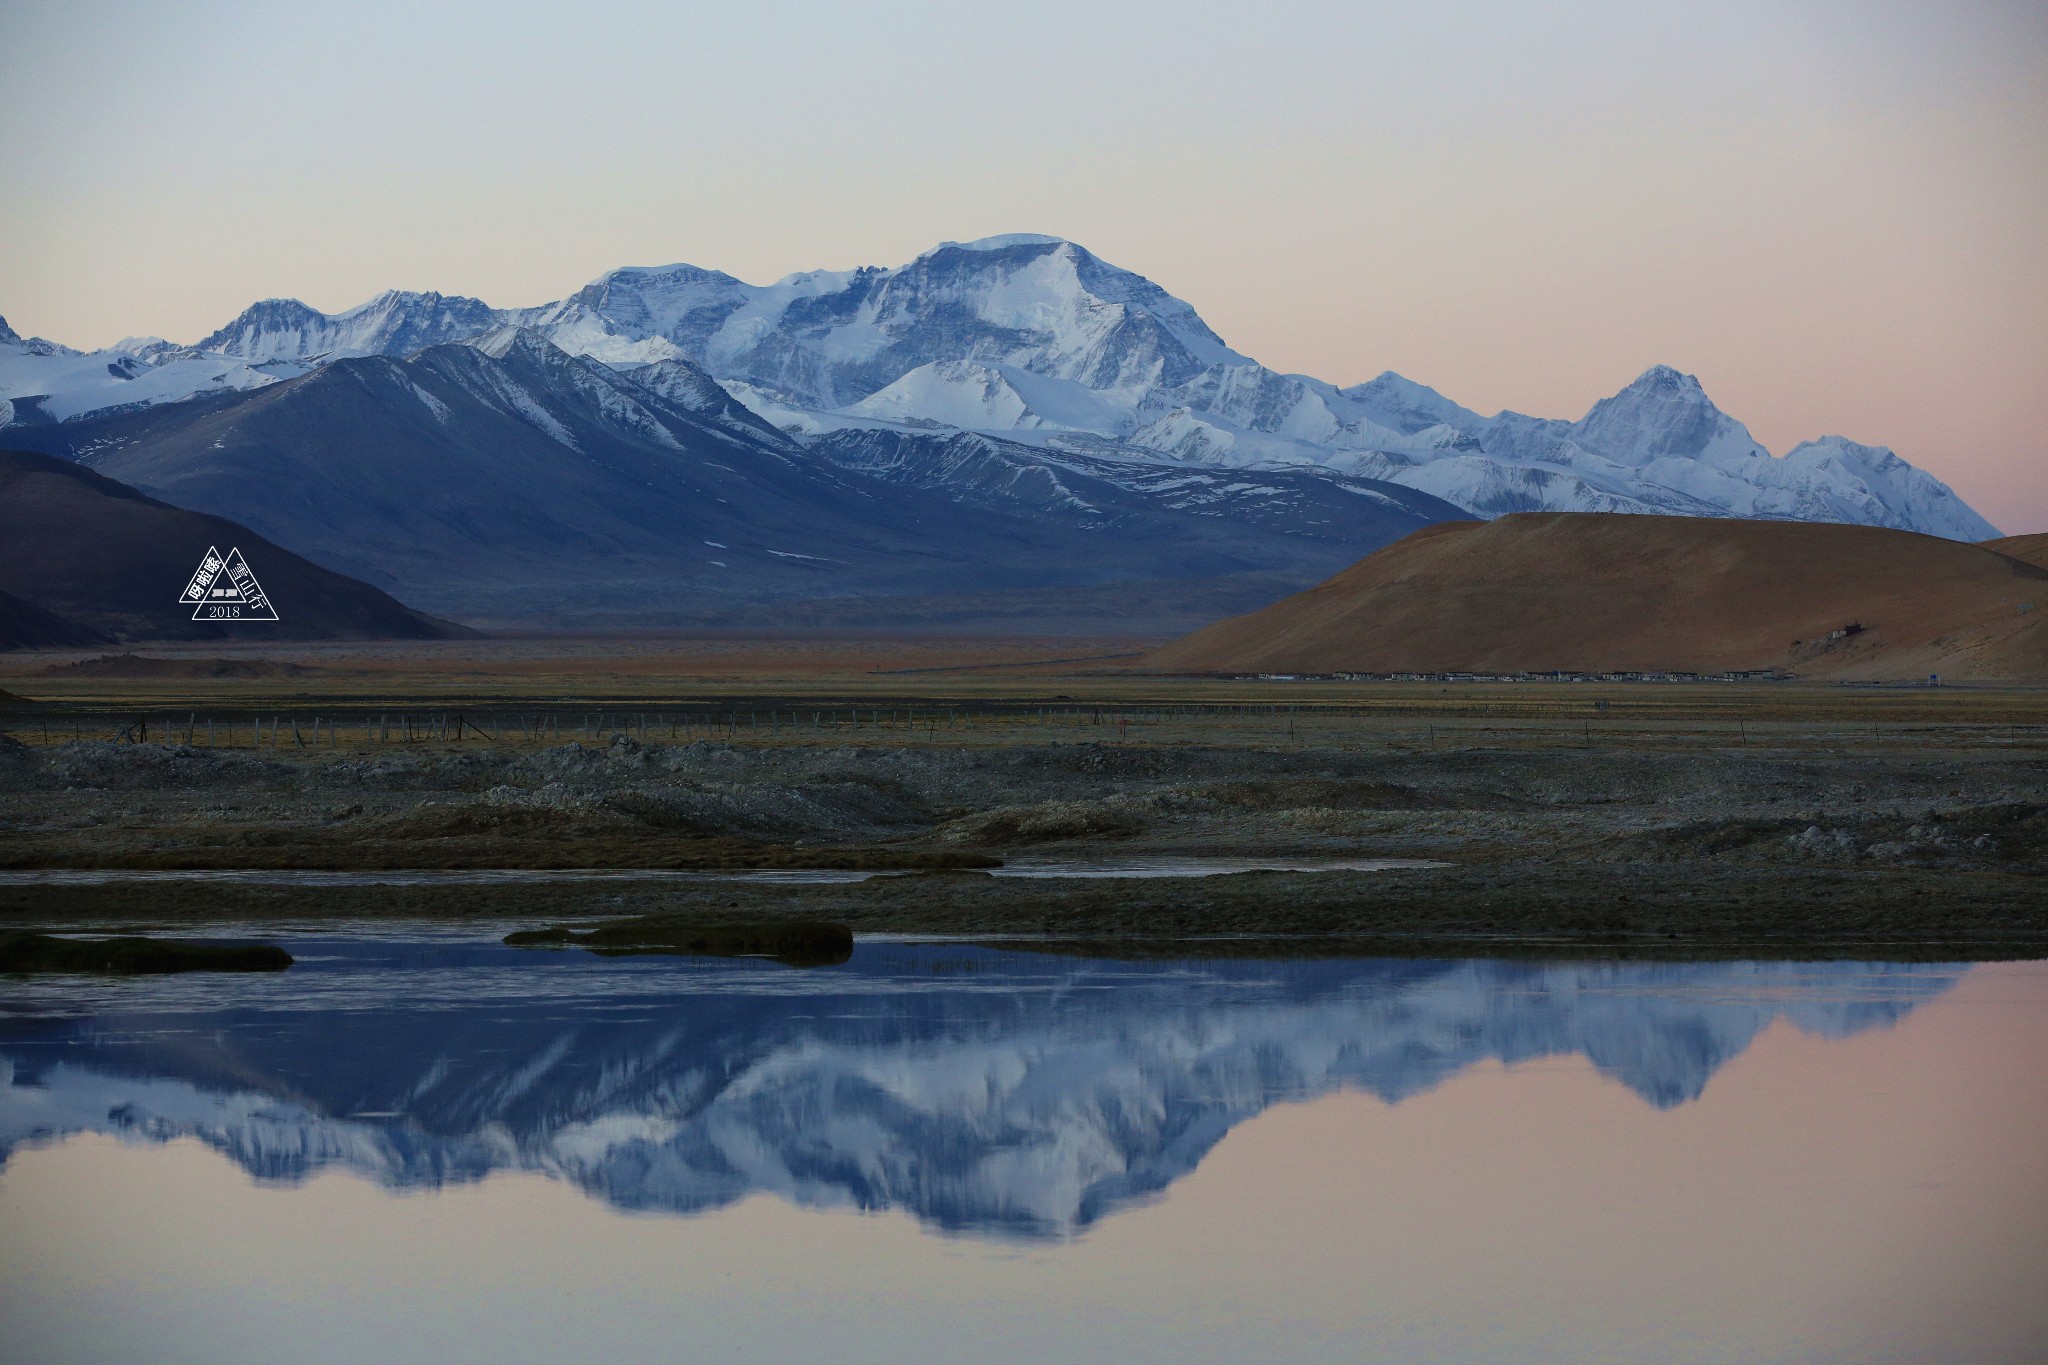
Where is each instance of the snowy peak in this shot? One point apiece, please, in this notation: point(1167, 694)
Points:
point(648, 301)
point(1662, 413)
point(1871, 459)
point(1001, 242)
point(583, 404)
point(827, 339)
point(500, 342)
point(41, 381)
point(8, 334)
point(268, 330)
point(1042, 305)
point(1026, 332)
point(1892, 492)
point(642, 280)
point(683, 383)
point(1405, 406)
point(687, 387)
point(396, 322)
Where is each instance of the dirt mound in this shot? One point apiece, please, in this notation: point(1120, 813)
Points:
point(148, 666)
point(1588, 592)
point(2031, 549)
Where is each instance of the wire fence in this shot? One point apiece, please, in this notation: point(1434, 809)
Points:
point(1320, 726)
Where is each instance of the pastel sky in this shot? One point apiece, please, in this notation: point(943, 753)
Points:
point(1832, 211)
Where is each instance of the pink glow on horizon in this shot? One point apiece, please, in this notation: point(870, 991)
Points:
point(1827, 210)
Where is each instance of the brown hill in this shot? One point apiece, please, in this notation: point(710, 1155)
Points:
point(2031, 549)
point(1591, 592)
point(84, 559)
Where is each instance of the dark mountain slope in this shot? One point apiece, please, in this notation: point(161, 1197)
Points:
point(517, 484)
point(24, 625)
point(93, 560)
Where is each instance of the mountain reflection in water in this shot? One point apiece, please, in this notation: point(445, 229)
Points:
point(985, 1092)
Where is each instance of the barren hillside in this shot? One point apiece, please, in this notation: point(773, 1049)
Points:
point(1590, 592)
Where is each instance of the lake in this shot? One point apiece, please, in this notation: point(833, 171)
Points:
point(418, 1145)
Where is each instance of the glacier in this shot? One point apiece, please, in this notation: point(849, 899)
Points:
point(43, 381)
point(1034, 339)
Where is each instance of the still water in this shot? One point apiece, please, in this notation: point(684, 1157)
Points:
point(419, 1145)
point(1140, 865)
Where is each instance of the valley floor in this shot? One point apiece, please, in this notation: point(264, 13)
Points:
point(1675, 821)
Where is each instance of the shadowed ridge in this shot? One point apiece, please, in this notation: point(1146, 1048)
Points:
point(24, 625)
point(94, 558)
point(1583, 592)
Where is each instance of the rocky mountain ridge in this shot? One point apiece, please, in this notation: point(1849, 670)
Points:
point(1035, 339)
point(504, 481)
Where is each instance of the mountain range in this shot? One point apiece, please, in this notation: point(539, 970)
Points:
point(1045, 400)
point(504, 481)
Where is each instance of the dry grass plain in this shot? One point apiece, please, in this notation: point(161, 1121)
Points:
point(796, 690)
point(1660, 819)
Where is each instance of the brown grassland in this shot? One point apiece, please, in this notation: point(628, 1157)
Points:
point(1667, 819)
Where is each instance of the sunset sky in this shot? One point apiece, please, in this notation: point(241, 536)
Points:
point(1830, 210)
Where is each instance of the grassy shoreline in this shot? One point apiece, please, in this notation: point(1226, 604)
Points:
point(1504, 908)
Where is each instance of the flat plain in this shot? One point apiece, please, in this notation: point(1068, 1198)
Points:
point(1662, 819)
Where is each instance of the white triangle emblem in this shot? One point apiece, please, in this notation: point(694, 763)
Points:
point(225, 589)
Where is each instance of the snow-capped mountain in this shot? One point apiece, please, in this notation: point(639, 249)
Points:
point(502, 480)
point(1024, 333)
point(832, 338)
point(1035, 338)
point(971, 395)
point(1029, 1098)
point(396, 322)
point(42, 381)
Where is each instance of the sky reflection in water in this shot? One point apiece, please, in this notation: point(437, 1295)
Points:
point(1121, 1150)
point(985, 1092)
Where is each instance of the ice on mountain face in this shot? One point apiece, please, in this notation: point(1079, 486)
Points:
point(1491, 488)
point(1001, 242)
point(1404, 406)
point(986, 397)
point(1664, 413)
point(1516, 436)
point(975, 467)
point(1254, 398)
point(1908, 498)
point(572, 399)
point(396, 322)
point(154, 350)
point(47, 382)
point(831, 339)
point(1188, 436)
point(1035, 336)
point(683, 384)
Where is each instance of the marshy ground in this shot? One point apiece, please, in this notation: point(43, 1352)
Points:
point(1672, 819)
